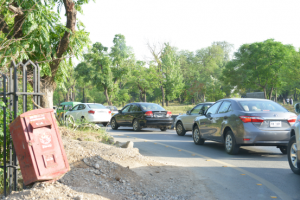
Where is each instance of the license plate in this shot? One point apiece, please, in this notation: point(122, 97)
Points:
point(159, 115)
point(275, 124)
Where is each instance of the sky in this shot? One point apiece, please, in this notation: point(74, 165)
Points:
point(191, 24)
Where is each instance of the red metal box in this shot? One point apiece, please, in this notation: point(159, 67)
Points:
point(38, 146)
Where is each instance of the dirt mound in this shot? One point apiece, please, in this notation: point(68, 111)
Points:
point(101, 171)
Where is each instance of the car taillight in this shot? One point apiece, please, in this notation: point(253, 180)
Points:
point(109, 112)
point(169, 114)
point(247, 119)
point(292, 120)
point(91, 112)
point(149, 114)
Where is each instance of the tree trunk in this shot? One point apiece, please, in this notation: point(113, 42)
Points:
point(68, 95)
point(71, 94)
point(74, 93)
point(63, 46)
point(47, 87)
point(163, 96)
point(83, 97)
point(167, 102)
point(275, 95)
point(145, 97)
point(270, 94)
point(265, 93)
point(106, 95)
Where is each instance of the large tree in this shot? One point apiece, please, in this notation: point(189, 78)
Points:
point(259, 65)
point(100, 72)
point(32, 30)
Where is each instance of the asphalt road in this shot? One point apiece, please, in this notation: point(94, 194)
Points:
point(255, 173)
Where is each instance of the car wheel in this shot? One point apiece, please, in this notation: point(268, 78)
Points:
point(82, 120)
point(180, 129)
point(105, 124)
point(163, 129)
point(70, 122)
point(292, 155)
point(283, 150)
point(197, 136)
point(136, 125)
point(114, 124)
point(230, 144)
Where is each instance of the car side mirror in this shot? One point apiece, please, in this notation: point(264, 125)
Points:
point(297, 108)
point(208, 115)
point(70, 109)
point(188, 112)
point(120, 111)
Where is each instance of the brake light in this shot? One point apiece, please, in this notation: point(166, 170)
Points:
point(246, 139)
point(149, 114)
point(91, 112)
point(169, 114)
point(292, 120)
point(109, 112)
point(247, 119)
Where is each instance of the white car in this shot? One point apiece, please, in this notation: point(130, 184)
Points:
point(90, 112)
point(113, 109)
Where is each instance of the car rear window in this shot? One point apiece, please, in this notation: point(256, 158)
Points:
point(264, 106)
point(112, 108)
point(151, 106)
point(97, 106)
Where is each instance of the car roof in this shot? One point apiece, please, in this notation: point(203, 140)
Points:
point(93, 103)
point(70, 103)
point(246, 99)
point(206, 103)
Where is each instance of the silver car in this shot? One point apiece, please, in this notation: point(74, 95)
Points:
point(245, 122)
point(184, 123)
point(294, 143)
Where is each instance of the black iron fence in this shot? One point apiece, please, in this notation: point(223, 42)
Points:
point(13, 85)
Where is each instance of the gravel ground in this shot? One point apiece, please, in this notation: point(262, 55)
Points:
point(102, 171)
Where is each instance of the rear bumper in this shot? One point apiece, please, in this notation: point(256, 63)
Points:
point(157, 123)
point(259, 137)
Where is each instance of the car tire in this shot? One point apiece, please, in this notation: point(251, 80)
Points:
point(105, 123)
point(197, 136)
point(136, 125)
point(230, 144)
point(292, 155)
point(163, 129)
point(283, 150)
point(82, 120)
point(180, 129)
point(114, 124)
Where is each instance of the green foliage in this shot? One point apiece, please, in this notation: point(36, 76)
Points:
point(171, 73)
point(259, 65)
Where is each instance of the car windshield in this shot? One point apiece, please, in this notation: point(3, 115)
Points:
point(151, 106)
point(96, 106)
point(261, 106)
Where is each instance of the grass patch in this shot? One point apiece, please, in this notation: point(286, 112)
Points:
point(85, 135)
point(179, 109)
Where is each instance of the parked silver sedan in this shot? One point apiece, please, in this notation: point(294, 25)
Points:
point(184, 123)
point(245, 122)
